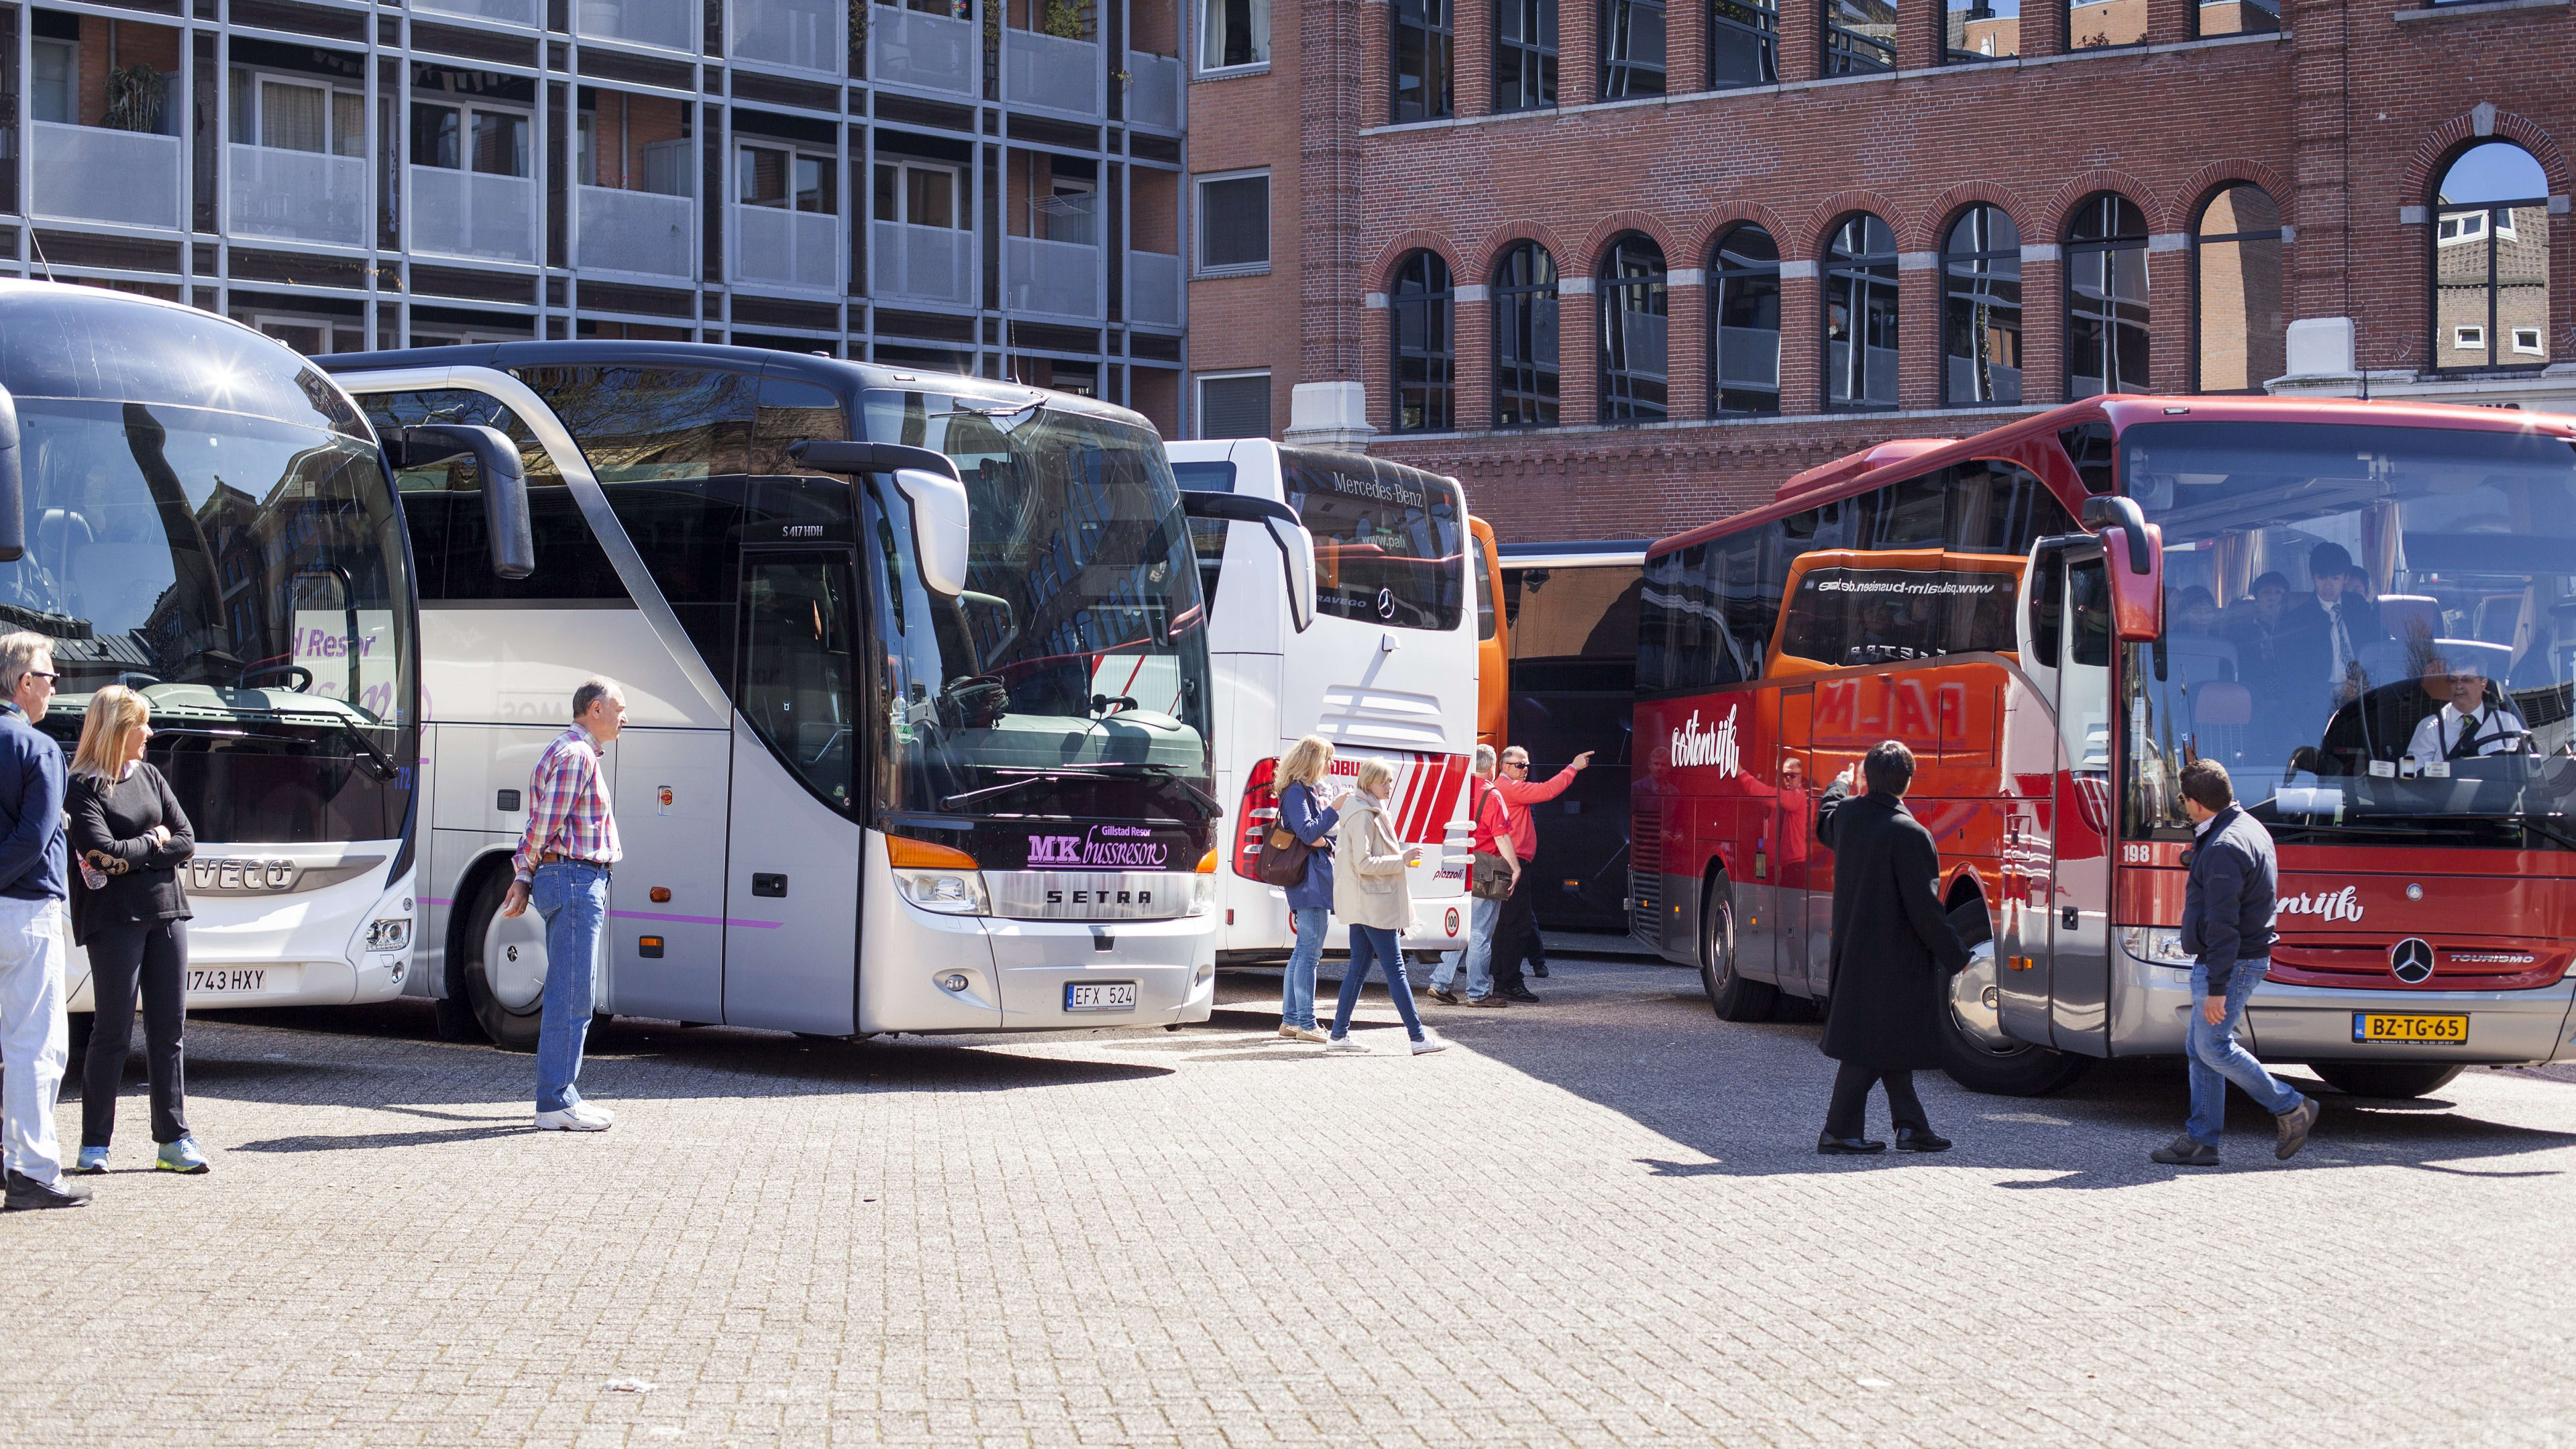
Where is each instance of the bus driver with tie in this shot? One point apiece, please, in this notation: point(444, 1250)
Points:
point(2467, 725)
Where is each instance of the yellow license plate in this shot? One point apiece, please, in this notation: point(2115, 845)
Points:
point(2430, 1030)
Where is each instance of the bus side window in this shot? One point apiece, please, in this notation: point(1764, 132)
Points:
point(2001, 507)
point(2047, 607)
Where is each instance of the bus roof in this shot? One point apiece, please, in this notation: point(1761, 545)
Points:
point(1887, 462)
point(833, 372)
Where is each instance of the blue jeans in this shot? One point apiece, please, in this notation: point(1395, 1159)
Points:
point(573, 899)
point(1376, 942)
point(1297, 986)
point(2216, 1059)
point(1478, 954)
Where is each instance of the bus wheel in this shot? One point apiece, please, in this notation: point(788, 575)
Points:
point(454, 1018)
point(2384, 1079)
point(505, 967)
point(1981, 1057)
point(1729, 994)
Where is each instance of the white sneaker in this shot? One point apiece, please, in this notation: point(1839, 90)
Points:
point(1432, 1041)
point(1344, 1044)
point(579, 1117)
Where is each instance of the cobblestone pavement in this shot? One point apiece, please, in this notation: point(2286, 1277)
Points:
point(1597, 1221)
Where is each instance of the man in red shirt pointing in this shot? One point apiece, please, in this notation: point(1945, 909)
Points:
point(1516, 938)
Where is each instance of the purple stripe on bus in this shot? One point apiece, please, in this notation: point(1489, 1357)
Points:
point(696, 920)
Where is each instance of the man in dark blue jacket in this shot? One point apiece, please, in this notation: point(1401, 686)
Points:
point(2228, 908)
point(33, 1039)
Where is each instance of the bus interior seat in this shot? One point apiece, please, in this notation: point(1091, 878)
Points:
point(2498, 618)
point(59, 530)
point(2222, 702)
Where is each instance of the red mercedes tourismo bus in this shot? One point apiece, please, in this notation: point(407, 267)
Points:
point(2366, 611)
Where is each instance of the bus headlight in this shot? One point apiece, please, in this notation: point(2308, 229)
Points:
point(393, 933)
point(2160, 945)
point(954, 893)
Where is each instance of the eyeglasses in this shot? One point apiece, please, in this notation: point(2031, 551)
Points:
point(1515, 764)
point(44, 674)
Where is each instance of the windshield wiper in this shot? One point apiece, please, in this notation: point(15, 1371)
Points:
point(1207, 802)
point(1034, 777)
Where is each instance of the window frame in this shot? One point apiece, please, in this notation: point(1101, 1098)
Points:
point(1842, 46)
point(1206, 32)
point(2270, 7)
point(1765, 36)
point(2108, 317)
point(1720, 273)
point(2066, 29)
point(2493, 230)
point(1435, 24)
point(1952, 292)
point(2278, 235)
point(902, 191)
point(1438, 365)
point(249, 84)
point(1533, 56)
point(71, 78)
point(1505, 294)
point(1947, 56)
point(466, 108)
point(1863, 268)
point(795, 153)
point(1618, 78)
point(1198, 398)
point(1617, 384)
point(1199, 183)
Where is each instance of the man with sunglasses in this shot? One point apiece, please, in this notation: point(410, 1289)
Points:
point(2468, 724)
point(1516, 935)
point(34, 1038)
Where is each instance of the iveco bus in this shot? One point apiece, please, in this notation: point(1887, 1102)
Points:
point(1386, 668)
point(191, 510)
point(2316, 594)
point(917, 675)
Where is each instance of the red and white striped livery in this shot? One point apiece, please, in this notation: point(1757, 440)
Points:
point(1387, 671)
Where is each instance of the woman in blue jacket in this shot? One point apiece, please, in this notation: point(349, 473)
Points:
point(1310, 817)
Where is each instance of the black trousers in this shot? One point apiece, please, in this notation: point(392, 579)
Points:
point(1516, 933)
point(1849, 1113)
point(154, 956)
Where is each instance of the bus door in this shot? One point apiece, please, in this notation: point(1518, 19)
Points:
point(1802, 893)
point(2074, 894)
point(792, 876)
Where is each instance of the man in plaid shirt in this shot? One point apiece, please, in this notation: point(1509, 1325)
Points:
point(562, 868)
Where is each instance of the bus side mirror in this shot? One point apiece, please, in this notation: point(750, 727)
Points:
point(2133, 555)
point(504, 480)
point(13, 485)
point(1288, 534)
point(928, 481)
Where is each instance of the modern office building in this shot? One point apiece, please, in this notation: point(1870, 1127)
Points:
point(984, 186)
point(1625, 263)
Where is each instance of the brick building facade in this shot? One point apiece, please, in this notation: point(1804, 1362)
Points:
point(2217, 196)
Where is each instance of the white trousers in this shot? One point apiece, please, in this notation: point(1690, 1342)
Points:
point(33, 1038)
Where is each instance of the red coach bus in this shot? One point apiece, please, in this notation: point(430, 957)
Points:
point(2366, 611)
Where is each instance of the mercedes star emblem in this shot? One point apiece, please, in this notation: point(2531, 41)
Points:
point(2411, 960)
point(1386, 603)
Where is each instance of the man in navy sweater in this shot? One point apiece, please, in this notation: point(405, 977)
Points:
point(33, 1036)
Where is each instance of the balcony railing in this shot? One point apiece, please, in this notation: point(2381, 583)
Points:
point(670, 24)
point(782, 248)
point(299, 196)
point(1153, 289)
point(1154, 90)
point(923, 52)
point(642, 232)
point(798, 34)
point(1054, 279)
point(513, 12)
point(1051, 72)
point(90, 173)
point(470, 214)
point(922, 263)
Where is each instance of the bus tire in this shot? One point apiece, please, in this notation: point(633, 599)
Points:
point(455, 1019)
point(1730, 995)
point(511, 1027)
point(2385, 1079)
point(1976, 1056)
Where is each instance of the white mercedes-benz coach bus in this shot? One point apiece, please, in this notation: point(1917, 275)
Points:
point(191, 510)
point(1387, 670)
point(917, 678)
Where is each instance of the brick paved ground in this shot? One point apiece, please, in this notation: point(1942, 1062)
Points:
point(1598, 1221)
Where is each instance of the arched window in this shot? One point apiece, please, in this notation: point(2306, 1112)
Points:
point(2106, 297)
point(1746, 309)
point(2491, 260)
point(1525, 339)
point(2239, 325)
point(1524, 54)
point(1860, 316)
point(1633, 344)
point(1425, 52)
point(1632, 48)
point(1981, 309)
point(1426, 348)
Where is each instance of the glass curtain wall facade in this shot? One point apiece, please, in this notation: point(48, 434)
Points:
point(904, 182)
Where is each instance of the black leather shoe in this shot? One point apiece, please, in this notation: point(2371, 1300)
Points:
point(1539, 969)
point(2186, 1153)
point(1910, 1140)
point(26, 1194)
point(1832, 1146)
point(1520, 993)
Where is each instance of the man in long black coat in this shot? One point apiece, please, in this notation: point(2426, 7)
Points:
point(1893, 954)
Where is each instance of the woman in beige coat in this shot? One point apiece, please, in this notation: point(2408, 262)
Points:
point(1371, 893)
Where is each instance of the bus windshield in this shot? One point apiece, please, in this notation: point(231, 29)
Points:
point(1390, 541)
point(1070, 679)
point(2373, 628)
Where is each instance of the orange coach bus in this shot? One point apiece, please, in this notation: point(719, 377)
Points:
point(2366, 611)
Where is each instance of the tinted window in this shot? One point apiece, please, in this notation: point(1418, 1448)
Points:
point(653, 424)
point(1996, 507)
point(443, 507)
point(801, 667)
point(1207, 535)
point(1482, 574)
point(1390, 541)
point(1852, 616)
point(1573, 628)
